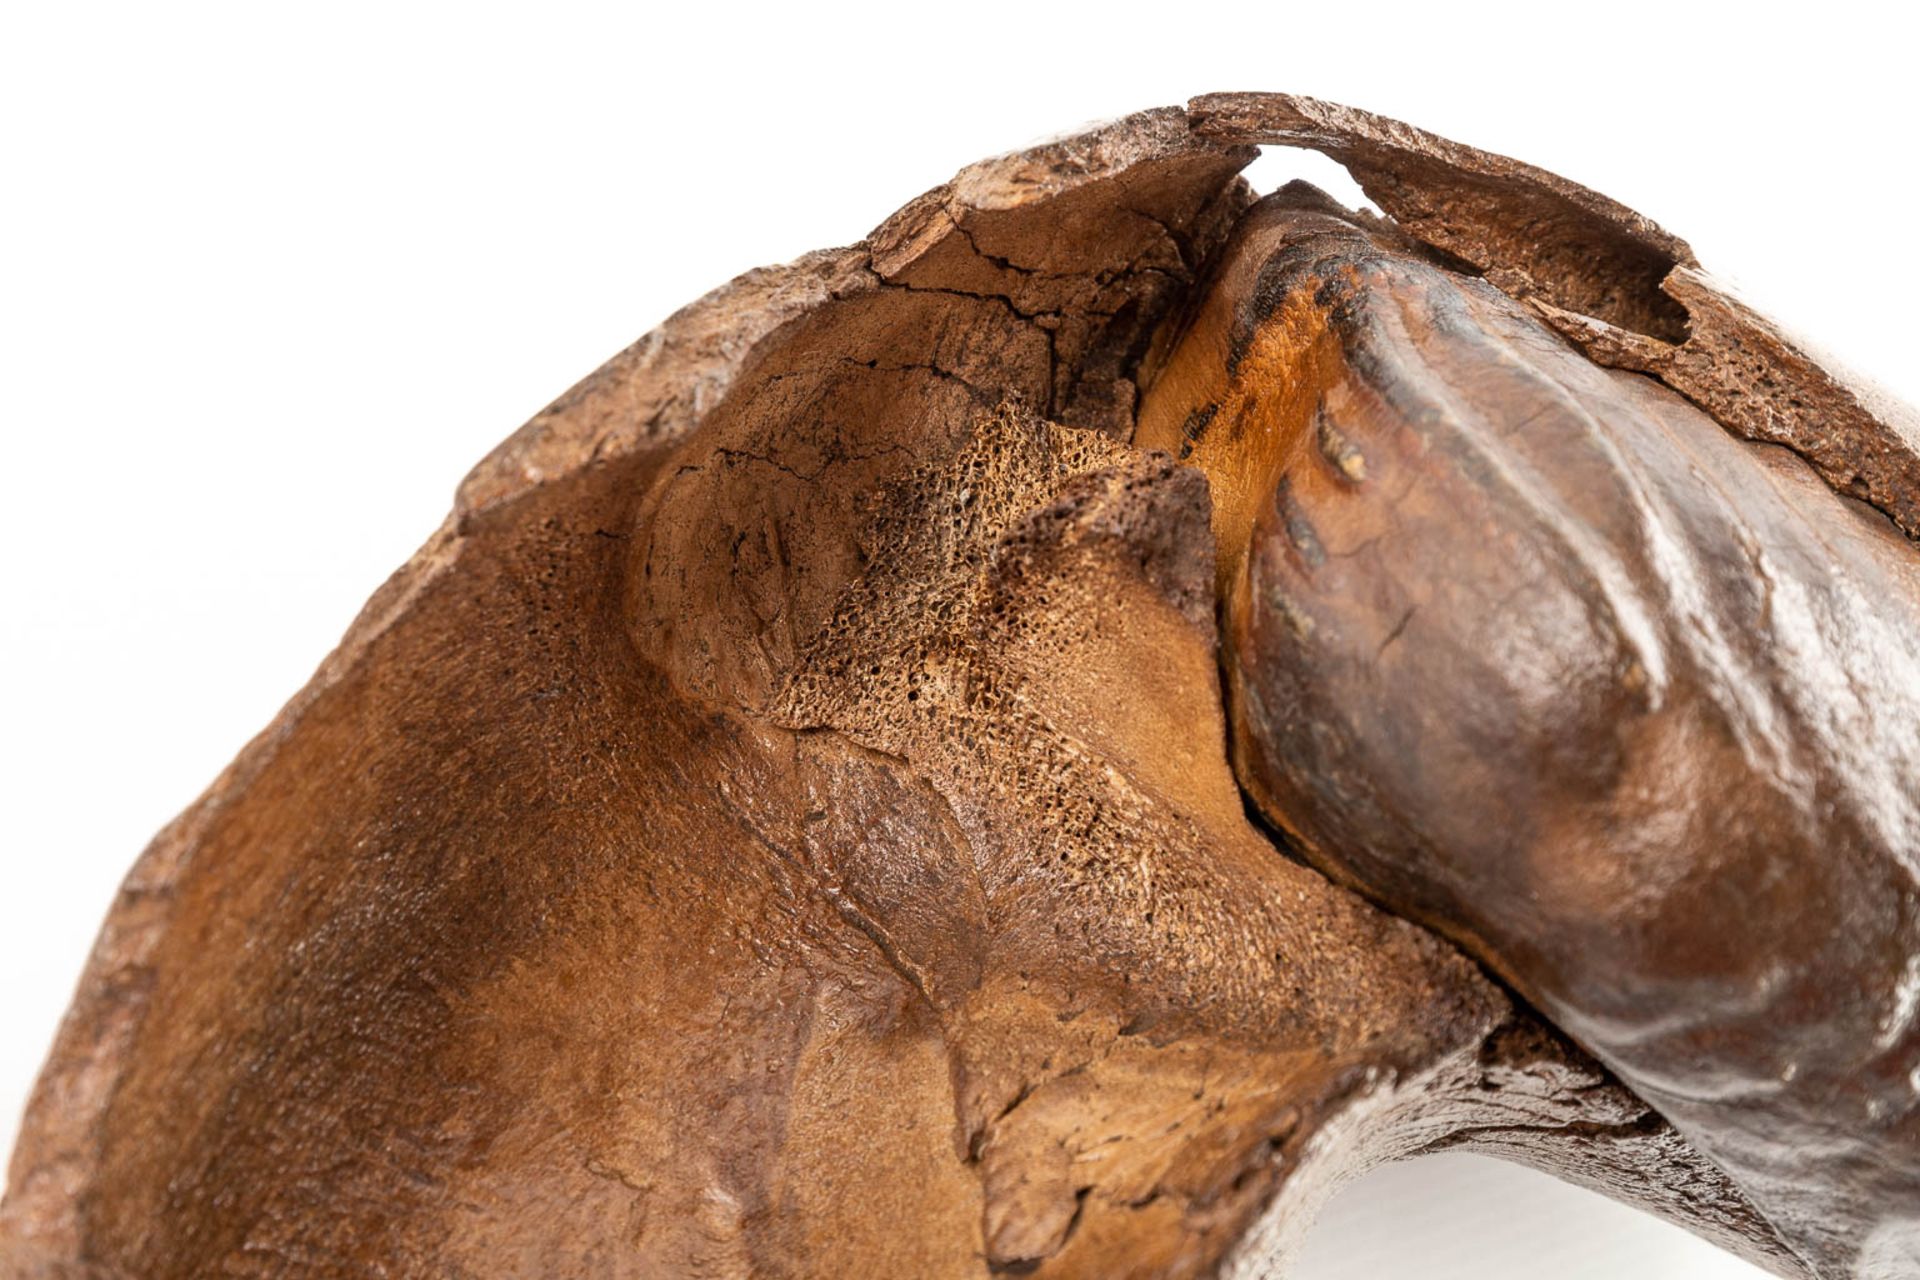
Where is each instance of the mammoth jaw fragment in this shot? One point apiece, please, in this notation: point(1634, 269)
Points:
point(1044, 741)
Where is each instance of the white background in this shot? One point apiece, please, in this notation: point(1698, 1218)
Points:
point(272, 277)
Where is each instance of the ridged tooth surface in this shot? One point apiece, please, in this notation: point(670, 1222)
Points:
point(1538, 653)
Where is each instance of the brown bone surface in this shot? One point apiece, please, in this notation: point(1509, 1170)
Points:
point(794, 818)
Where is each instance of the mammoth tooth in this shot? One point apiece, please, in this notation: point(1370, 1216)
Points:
point(1045, 741)
point(1535, 652)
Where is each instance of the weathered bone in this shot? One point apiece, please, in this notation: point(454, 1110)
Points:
point(784, 824)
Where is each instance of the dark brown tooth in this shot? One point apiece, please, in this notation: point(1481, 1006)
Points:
point(1196, 424)
point(1620, 702)
point(1345, 456)
point(1299, 529)
point(1298, 621)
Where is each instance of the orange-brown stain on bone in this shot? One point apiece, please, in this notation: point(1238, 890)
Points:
point(1238, 397)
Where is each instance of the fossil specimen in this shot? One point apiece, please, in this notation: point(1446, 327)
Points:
point(1006, 748)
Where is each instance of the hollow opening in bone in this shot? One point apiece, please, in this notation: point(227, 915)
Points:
point(1276, 166)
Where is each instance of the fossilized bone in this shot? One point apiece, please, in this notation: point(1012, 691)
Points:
point(853, 788)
